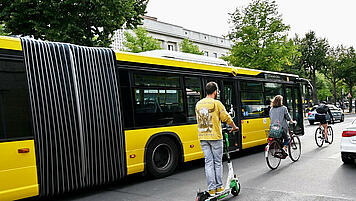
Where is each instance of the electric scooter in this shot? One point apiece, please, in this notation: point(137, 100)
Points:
point(232, 183)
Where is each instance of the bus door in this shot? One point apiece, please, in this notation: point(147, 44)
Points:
point(254, 123)
point(18, 172)
point(227, 96)
point(293, 103)
point(229, 99)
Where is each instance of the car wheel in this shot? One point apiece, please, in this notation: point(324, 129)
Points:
point(346, 159)
point(162, 157)
point(311, 122)
point(342, 118)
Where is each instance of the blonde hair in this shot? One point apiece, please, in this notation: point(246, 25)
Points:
point(277, 101)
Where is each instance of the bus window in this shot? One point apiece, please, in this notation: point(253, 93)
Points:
point(14, 101)
point(230, 97)
point(160, 102)
point(126, 99)
point(271, 90)
point(253, 105)
point(193, 93)
point(289, 101)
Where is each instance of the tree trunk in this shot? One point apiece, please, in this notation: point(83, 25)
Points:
point(334, 90)
point(350, 99)
point(315, 90)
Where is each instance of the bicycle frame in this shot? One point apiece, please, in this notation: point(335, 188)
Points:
point(279, 141)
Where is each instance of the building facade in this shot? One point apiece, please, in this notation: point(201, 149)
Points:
point(171, 36)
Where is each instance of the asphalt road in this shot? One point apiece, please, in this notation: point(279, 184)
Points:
point(318, 175)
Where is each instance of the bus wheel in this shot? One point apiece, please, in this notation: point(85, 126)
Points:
point(162, 157)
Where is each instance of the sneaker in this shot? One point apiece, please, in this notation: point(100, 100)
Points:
point(285, 151)
point(220, 190)
point(211, 192)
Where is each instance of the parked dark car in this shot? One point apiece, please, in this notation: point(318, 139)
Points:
point(337, 113)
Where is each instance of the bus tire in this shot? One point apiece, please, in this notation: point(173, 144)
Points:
point(162, 157)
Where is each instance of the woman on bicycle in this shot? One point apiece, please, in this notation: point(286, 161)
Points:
point(279, 113)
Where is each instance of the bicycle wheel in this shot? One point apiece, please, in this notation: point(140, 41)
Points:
point(273, 157)
point(295, 148)
point(319, 140)
point(330, 135)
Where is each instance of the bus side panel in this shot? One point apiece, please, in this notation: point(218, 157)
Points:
point(136, 141)
point(254, 132)
point(18, 172)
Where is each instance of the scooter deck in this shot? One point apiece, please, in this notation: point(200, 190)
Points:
point(219, 196)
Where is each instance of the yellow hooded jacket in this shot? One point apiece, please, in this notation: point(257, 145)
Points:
point(210, 113)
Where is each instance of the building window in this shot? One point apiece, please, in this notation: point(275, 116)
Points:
point(206, 53)
point(171, 47)
point(215, 55)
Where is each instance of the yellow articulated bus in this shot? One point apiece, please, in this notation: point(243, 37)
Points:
point(75, 117)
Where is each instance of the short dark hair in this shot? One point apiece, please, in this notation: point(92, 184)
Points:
point(211, 87)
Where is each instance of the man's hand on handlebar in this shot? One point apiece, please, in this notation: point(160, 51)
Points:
point(234, 129)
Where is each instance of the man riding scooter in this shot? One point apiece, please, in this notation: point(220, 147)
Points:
point(210, 113)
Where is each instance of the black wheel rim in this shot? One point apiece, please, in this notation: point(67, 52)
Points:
point(162, 156)
point(274, 155)
point(318, 137)
point(295, 148)
point(330, 135)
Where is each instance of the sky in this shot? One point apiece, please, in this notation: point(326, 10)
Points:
point(330, 19)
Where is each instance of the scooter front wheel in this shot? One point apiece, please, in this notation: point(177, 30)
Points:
point(202, 196)
point(236, 190)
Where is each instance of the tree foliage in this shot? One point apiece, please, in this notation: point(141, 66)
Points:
point(2, 33)
point(141, 42)
point(187, 46)
point(323, 86)
point(260, 37)
point(332, 70)
point(313, 57)
point(90, 22)
point(348, 70)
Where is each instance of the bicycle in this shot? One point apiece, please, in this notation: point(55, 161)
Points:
point(274, 153)
point(319, 135)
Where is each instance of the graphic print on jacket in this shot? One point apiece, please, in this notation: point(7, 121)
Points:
point(205, 119)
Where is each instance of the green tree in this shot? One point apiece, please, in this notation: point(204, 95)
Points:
point(187, 46)
point(323, 86)
point(332, 70)
point(141, 42)
point(348, 71)
point(313, 57)
point(90, 22)
point(260, 37)
point(2, 33)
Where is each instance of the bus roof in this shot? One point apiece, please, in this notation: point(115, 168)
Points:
point(165, 58)
point(184, 60)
